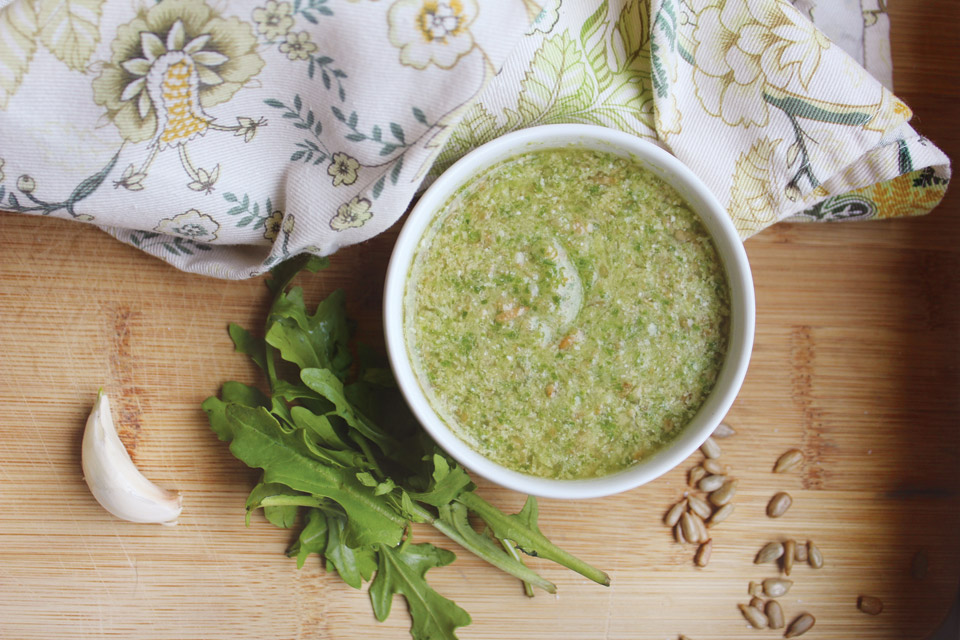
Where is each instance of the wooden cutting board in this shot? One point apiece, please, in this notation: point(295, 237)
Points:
point(856, 363)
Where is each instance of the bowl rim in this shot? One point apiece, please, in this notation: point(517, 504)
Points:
point(704, 203)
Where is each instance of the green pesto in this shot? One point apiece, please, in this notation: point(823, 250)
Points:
point(567, 313)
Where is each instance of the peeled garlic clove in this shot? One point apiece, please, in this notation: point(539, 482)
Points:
point(115, 481)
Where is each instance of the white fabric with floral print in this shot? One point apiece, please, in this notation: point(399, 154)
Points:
point(227, 137)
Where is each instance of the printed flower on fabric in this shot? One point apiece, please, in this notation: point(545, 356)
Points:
point(274, 20)
point(170, 63)
point(431, 31)
point(298, 46)
point(192, 225)
point(343, 169)
point(273, 225)
point(545, 19)
point(746, 47)
point(352, 214)
point(753, 201)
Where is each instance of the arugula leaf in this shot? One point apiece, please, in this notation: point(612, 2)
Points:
point(319, 340)
point(446, 484)
point(354, 564)
point(402, 570)
point(324, 382)
point(256, 439)
point(283, 516)
point(313, 537)
point(283, 274)
point(242, 394)
point(320, 426)
point(244, 342)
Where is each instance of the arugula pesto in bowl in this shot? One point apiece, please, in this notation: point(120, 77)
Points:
point(568, 311)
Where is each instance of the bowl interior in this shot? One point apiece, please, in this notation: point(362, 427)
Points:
point(717, 223)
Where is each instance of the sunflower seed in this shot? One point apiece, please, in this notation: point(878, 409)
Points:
point(919, 565)
point(801, 624)
point(673, 515)
point(710, 448)
point(801, 553)
point(814, 557)
point(870, 605)
point(788, 461)
point(755, 589)
point(696, 475)
point(714, 466)
point(701, 528)
point(699, 506)
point(779, 504)
point(774, 614)
point(688, 528)
point(754, 616)
point(756, 603)
point(720, 515)
point(703, 553)
point(789, 554)
point(725, 493)
point(770, 552)
point(723, 430)
point(776, 587)
point(711, 483)
point(678, 534)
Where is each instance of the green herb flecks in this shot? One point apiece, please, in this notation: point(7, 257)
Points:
point(341, 455)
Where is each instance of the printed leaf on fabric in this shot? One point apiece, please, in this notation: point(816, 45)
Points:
point(71, 29)
point(557, 85)
point(18, 31)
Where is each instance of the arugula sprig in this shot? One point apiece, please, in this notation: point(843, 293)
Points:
point(357, 486)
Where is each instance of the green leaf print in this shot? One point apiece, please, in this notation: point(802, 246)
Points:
point(557, 83)
point(593, 37)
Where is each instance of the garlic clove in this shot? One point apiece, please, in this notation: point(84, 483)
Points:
point(114, 479)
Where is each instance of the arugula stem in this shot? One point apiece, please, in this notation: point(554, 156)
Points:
point(529, 541)
point(501, 561)
point(364, 445)
point(510, 547)
point(282, 276)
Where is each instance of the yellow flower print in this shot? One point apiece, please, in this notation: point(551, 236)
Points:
point(192, 225)
point(298, 46)
point(352, 214)
point(171, 62)
point(273, 225)
point(753, 204)
point(743, 46)
point(343, 169)
point(431, 31)
point(274, 20)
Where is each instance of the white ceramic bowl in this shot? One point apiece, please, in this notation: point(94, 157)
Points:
point(715, 220)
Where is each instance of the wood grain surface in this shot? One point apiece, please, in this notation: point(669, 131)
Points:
point(856, 363)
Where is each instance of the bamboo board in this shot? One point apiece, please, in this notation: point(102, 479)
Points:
point(856, 362)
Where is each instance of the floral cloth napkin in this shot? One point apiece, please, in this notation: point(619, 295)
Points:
point(859, 27)
point(226, 137)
